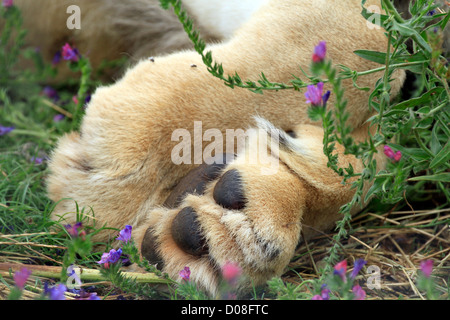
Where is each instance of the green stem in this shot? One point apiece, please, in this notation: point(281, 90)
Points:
point(385, 95)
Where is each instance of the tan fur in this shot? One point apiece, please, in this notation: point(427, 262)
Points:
point(120, 162)
point(110, 30)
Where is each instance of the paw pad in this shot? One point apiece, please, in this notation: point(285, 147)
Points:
point(186, 233)
point(149, 249)
point(229, 192)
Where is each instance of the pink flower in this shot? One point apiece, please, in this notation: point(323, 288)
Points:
point(359, 293)
point(320, 52)
point(69, 53)
point(21, 277)
point(396, 156)
point(341, 269)
point(8, 3)
point(231, 272)
point(185, 274)
point(426, 267)
point(324, 294)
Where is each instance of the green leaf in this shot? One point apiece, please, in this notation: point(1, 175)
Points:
point(442, 177)
point(411, 103)
point(415, 153)
point(442, 157)
point(405, 30)
point(375, 56)
point(435, 144)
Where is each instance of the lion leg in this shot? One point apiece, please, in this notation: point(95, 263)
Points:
point(247, 211)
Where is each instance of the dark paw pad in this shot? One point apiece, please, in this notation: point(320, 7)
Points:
point(196, 180)
point(229, 192)
point(186, 233)
point(149, 249)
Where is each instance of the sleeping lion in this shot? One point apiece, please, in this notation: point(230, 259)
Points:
point(206, 174)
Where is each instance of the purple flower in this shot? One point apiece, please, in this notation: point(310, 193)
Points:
point(5, 130)
point(83, 295)
point(21, 277)
point(359, 293)
point(58, 117)
point(314, 95)
point(426, 267)
point(73, 230)
point(69, 53)
point(57, 292)
point(185, 274)
point(56, 58)
point(340, 269)
point(50, 93)
point(320, 52)
point(357, 267)
point(324, 294)
point(37, 160)
point(8, 3)
point(125, 234)
point(110, 257)
point(396, 156)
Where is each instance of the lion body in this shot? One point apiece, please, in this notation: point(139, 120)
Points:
point(119, 164)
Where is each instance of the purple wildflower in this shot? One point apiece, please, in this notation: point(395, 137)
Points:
point(69, 53)
point(314, 95)
point(340, 269)
point(125, 234)
point(5, 130)
point(357, 267)
point(59, 117)
point(21, 277)
point(426, 267)
point(396, 156)
point(57, 58)
point(324, 294)
point(185, 274)
point(8, 3)
point(359, 293)
point(37, 160)
point(320, 52)
point(110, 257)
point(73, 230)
point(83, 295)
point(57, 292)
point(50, 93)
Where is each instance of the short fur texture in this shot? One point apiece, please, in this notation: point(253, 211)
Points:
point(119, 164)
point(135, 29)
